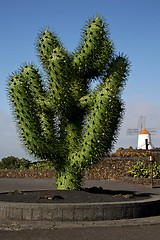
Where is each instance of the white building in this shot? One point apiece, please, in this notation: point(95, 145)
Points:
point(144, 140)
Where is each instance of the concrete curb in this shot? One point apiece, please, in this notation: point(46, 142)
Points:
point(80, 212)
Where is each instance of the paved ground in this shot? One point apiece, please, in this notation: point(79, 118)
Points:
point(144, 228)
point(107, 233)
point(9, 184)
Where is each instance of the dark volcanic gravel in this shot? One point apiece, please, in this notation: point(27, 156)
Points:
point(88, 195)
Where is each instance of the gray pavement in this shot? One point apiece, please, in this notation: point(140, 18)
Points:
point(26, 184)
point(108, 233)
point(142, 228)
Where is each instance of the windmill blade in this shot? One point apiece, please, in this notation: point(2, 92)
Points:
point(132, 131)
point(151, 131)
point(141, 122)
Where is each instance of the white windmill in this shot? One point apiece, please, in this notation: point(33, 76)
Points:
point(144, 135)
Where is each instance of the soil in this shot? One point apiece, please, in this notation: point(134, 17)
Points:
point(87, 195)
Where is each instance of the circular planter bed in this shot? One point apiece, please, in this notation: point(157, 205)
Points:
point(91, 204)
point(87, 195)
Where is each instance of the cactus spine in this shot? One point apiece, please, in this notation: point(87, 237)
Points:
point(61, 119)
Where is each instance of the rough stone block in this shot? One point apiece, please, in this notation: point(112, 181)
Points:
point(17, 213)
point(2, 213)
point(110, 213)
point(27, 214)
point(57, 214)
point(37, 214)
point(47, 214)
point(8, 213)
point(68, 214)
point(78, 214)
point(93, 214)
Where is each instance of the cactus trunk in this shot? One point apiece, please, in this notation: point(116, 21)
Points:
point(69, 180)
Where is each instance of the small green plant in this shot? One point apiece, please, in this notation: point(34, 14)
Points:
point(141, 170)
point(156, 171)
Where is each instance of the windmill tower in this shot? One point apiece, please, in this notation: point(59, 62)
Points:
point(144, 140)
point(144, 135)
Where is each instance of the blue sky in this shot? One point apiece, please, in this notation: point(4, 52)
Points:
point(134, 29)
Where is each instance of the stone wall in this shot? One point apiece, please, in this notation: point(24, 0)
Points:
point(137, 153)
point(113, 168)
point(36, 173)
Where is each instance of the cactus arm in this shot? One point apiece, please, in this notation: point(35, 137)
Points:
point(46, 43)
point(105, 116)
point(32, 118)
point(65, 103)
point(87, 101)
point(94, 52)
point(60, 84)
point(57, 63)
point(102, 125)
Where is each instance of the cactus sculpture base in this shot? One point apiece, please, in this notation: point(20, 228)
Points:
point(59, 117)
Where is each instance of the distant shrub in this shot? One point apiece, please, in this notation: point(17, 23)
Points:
point(42, 165)
point(14, 163)
point(130, 147)
point(120, 148)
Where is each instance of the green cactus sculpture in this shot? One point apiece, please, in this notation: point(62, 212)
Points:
point(58, 116)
